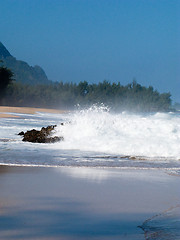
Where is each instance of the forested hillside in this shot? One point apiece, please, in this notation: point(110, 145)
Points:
point(23, 73)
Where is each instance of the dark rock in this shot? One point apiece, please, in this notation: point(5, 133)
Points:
point(21, 133)
point(42, 136)
point(54, 139)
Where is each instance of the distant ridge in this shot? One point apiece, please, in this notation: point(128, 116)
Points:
point(4, 52)
point(23, 72)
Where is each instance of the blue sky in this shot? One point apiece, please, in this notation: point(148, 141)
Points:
point(93, 40)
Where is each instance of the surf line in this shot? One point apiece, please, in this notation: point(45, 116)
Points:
point(95, 167)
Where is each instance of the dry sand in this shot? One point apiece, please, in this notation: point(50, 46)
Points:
point(5, 111)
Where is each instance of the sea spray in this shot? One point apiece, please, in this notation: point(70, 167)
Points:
point(145, 135)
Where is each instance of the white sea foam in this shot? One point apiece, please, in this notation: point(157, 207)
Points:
point(96, 129)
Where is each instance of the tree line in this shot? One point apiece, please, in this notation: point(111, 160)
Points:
point(6, 77)
point(131, 97)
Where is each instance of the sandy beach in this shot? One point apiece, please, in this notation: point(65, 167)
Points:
point(82, 203)
point(6, 110)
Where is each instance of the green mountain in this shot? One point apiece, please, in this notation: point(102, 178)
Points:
point(22, 71)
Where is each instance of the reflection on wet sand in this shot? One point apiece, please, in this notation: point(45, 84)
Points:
point(90, 174)
point(63, 219)
point(4, 169)
point(67, 204)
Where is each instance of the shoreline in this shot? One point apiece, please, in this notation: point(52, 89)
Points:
point(5, 111)
point(93, 167)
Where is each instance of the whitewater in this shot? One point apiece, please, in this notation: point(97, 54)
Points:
point(95, 137)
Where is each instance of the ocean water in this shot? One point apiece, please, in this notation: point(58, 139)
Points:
point(95, 137)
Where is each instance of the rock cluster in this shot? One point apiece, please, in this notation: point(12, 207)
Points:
point(42, 136)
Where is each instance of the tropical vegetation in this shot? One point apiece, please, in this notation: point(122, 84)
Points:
point(132, 97)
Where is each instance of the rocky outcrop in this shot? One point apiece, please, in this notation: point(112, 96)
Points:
point(42, 136)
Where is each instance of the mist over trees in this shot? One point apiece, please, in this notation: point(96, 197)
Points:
point(132, 97)
point(176, 106)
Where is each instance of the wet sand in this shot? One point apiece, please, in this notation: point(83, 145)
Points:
point(5, 111)
point(82, 203)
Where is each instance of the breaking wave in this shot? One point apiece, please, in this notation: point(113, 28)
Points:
point(146, 135)
point(96, 137)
